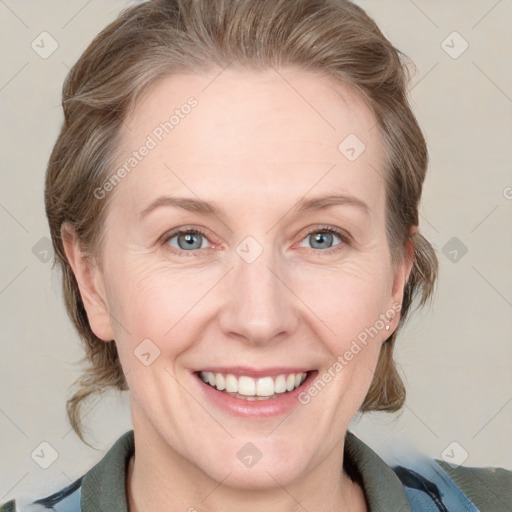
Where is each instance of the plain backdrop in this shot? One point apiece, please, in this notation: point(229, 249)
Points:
point(456, 357)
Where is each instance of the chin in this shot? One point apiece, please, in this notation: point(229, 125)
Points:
point(260, 477)
point(249, 468)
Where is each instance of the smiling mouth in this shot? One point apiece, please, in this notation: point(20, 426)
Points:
point(249, 388)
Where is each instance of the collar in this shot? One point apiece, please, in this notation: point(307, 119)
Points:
point(383, 490)
point(103, 486)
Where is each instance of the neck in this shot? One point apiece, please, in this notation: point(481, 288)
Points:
point(327, 488)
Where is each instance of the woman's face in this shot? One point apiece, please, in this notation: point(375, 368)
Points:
point(259, 288)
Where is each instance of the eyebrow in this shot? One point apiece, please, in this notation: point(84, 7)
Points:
point(210, 208)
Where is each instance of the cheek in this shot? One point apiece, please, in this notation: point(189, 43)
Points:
point(152, 327)
point(346, 299)
point(170, 304)
point(153, 301)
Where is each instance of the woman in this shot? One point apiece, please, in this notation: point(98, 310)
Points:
point(233, 200)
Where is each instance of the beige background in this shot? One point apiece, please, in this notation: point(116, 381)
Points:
point(456, 357)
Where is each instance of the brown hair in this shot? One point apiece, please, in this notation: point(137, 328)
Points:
point(161, 37)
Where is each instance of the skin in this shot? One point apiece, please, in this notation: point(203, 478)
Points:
point(256, 146)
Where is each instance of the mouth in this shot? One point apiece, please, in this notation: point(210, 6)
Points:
point(262, 387)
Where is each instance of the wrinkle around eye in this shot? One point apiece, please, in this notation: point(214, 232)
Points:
point(154, 232)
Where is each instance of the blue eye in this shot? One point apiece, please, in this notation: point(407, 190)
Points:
point(325, 235)
point(188, 242)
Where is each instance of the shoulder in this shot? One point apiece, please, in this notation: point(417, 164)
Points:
point(489, 488)
point(8, 506)
point(100, 488)
point(64, 500)
point(430, 482)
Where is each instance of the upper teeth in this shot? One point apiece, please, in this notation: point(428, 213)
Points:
point(244, 385)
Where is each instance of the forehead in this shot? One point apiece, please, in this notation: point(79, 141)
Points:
point(251, 132)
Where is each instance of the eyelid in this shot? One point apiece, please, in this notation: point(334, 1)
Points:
point(330, 229)
point(164, 239)
point(344, 236)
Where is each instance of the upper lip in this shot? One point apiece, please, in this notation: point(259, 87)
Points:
point(273, 371)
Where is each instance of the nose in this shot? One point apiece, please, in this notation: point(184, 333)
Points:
point(260, 308)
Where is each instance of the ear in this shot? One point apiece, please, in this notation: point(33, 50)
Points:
point(403, 270)
point(90, 284)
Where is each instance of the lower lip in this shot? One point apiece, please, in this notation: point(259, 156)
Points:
point(284, 403)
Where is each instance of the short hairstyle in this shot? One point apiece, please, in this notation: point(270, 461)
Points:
point(159, 38)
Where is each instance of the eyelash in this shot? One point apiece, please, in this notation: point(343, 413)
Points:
point(344, 237)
